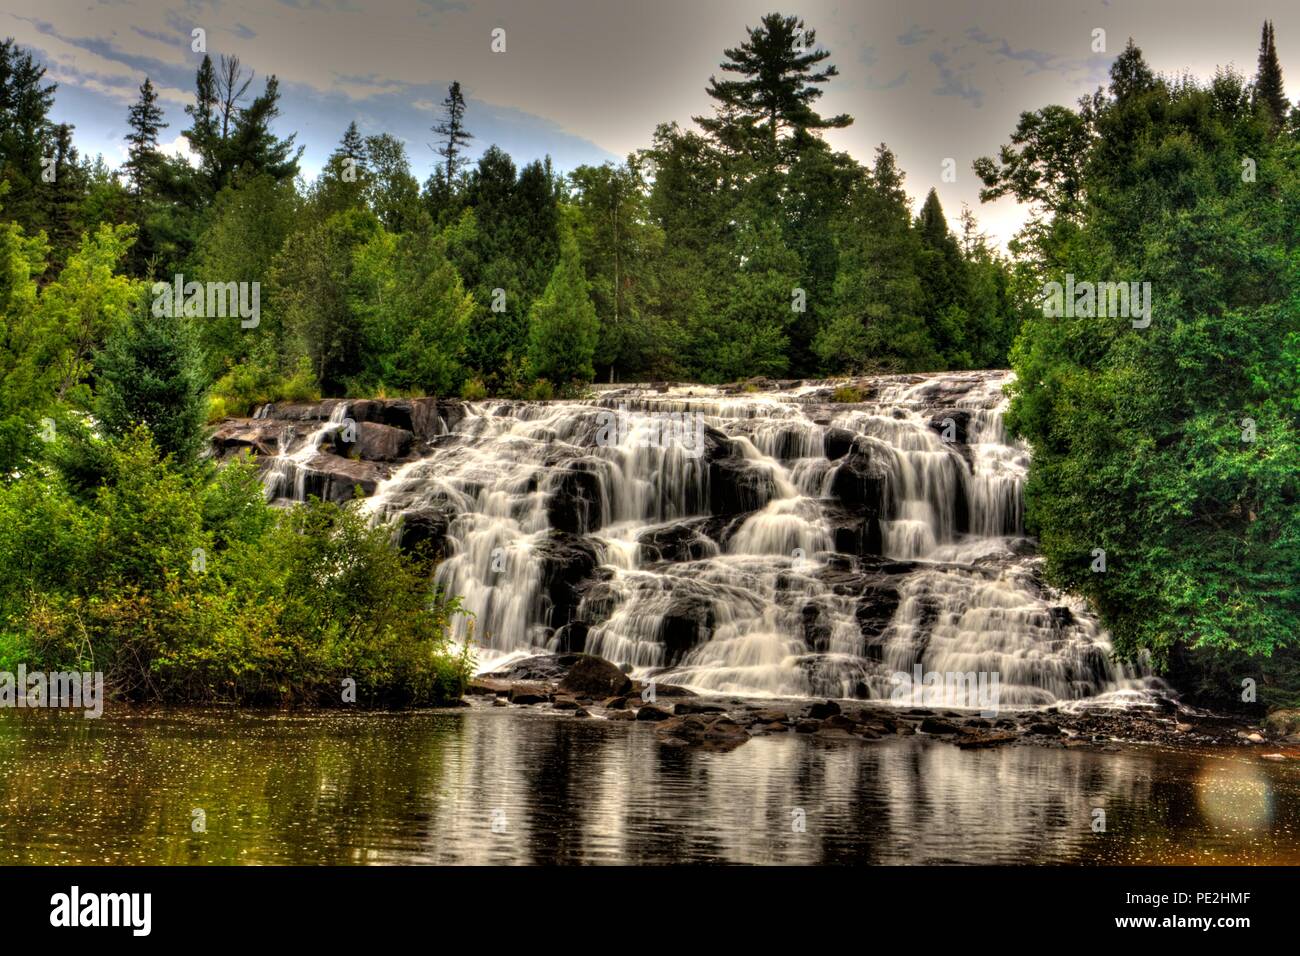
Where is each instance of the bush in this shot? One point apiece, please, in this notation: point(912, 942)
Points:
point(848, 394)
point(256, 382)
point(188, 587)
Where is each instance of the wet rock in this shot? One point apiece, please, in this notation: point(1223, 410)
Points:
point(952, 424)
point(424, 531)
point(565, 703)
point(522, 693)
point(838, 442)
point(340, 480)
point(861, 478)
point(595, 677)
point(486, 686)
point(822, 709)
point(372, 442)
point(652, 712)
point(571, 638)
point(1042, 729)
point(574, 503)
point(696, 707)
point(937, 726)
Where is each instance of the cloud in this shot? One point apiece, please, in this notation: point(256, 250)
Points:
point(955, 82)
point(913, 35)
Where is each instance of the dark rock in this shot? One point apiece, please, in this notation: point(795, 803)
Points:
point(1042, 729)
point(861, 478)
point(574, 503)
point(372, 442)
point(695, 707)
point(651, 712)
point(529, 694)
point(571, 638)
point(822, 709)
point(595, 677)
point(934, 725)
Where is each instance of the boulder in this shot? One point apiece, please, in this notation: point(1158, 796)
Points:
point(373, 442)
point(595, 677)
point(861, 479)
point(652, 712)
point(523, 693)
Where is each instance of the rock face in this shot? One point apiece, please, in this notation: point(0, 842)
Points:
point(762, 538)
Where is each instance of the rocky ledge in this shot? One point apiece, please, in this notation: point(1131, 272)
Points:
point(584, 686)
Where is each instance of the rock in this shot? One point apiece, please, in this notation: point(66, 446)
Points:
point(861, 478)
point(1042, 729)
point(651, 712)
point(574, 503)
point(807, 726)
point(340, 480)
point(595, 677)
point(425, 531)
point(837, 443)
point(568, 563)
point(615, 703)
point(373, 442)
point(1282, 722)
point(522, 693)
point(572, 637)
point(822, 710)
point(693, 707)
point(952, 424)
point(1272, 756)
point(487, 686)
point(621, 715)
point(937, 726)
point(582, 712)
point(985, 740)
point(839, 722)
point(694, 729)
point(565, 703)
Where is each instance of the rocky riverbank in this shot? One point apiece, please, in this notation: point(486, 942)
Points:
point(585, 686)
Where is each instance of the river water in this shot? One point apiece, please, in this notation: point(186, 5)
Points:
point(484, 785)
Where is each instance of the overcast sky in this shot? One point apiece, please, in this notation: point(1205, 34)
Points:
point(587, 80)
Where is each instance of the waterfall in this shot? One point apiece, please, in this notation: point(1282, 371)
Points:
point(773, 542)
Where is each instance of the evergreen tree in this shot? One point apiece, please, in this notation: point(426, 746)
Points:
point(145, 121)
point(454, 135)
point(1268, 80)
point(25, 132)
point(150, 373)
point(562, 325)
point(773, 101)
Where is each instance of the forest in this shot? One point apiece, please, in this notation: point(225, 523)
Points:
point(735, 245)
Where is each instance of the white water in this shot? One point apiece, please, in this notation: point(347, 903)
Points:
point(734, 614)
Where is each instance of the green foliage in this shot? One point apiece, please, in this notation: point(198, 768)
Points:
point(257, 381)
point(149, 373)
point(562, 326)
point(1176, 447)
point(189, 587)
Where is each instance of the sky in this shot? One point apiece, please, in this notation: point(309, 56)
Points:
point(587, 81)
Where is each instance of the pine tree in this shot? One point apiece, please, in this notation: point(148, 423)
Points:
point(453, 132)
point(145, 120)
point(774, 100)
point(150, 373)
point(562, 325)
point(1268, 79)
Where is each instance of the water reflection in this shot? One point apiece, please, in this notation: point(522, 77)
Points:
point(490, 786)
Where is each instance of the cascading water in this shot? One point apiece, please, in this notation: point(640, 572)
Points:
point(767, 543)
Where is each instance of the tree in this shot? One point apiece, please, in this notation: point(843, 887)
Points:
point(1268, 80)
point(1172, 450)
point(618, 246)
point(562, 325)
point(149, 373)
point(780, 82)
point(452, 130)
point(25, 131)
point(145, 121)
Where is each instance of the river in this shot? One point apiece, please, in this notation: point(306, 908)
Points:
point(484, 785)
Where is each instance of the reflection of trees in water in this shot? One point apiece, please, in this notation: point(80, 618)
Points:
point(349, 788)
